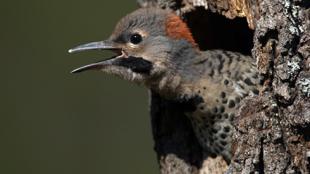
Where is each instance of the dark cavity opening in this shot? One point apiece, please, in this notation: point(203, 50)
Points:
point(215, 31)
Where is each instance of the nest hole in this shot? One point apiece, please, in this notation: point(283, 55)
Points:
point(215, 31)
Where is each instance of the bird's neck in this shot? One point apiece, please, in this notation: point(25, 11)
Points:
point(179, 83)
point(174, 86)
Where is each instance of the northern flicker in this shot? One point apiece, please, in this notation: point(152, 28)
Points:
point(155, 48)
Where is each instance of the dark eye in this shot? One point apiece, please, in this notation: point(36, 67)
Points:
point(135, 38)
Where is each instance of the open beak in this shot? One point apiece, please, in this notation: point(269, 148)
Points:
point(101, 45)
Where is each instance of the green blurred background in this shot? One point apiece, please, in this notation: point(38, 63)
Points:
point(53, 122)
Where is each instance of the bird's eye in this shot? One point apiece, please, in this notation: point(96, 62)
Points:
point(135, 39)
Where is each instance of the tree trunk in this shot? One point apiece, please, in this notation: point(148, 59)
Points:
point(272, 130)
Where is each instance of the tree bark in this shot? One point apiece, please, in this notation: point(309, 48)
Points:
point(272, 130)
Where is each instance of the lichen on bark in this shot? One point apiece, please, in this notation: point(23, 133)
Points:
point(274, 136)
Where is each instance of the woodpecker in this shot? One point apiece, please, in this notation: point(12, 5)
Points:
point(155, 48)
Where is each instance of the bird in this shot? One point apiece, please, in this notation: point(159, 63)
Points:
point(155, 48)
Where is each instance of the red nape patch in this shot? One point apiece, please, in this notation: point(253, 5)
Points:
point(177, 29)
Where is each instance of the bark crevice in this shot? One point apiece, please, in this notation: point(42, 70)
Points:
point(273, 136)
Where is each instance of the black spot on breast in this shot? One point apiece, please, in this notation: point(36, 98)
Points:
point(227, 128)
point(222, 109)
point(223, 94)
point(214, 131)
point(231, 104)
point(231, 116)
point(214, 110)
point(226, 116)
point(224, 101)
point(219, 116)
point(223, 136)
point(223, 143)
point(212, 117)
point(190, 104)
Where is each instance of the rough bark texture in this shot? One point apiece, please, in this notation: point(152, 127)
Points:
point(274, 136)
point(272, 130)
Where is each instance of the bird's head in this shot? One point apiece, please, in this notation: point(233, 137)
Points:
point(150, 44)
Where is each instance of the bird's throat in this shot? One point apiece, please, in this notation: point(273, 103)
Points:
point(173, 86)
